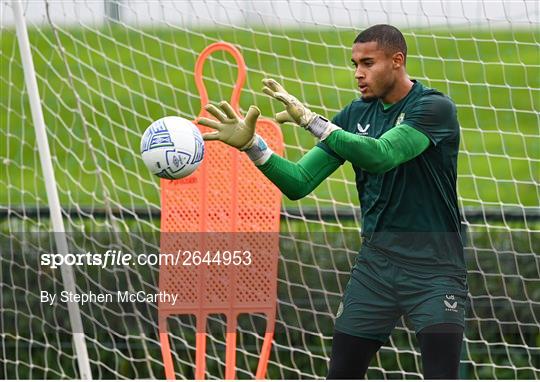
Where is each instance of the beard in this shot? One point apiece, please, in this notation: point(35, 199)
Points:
point(369, 99)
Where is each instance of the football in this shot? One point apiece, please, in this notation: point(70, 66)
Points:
point(172, 147)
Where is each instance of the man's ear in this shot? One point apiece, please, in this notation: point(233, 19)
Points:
point(398, 60)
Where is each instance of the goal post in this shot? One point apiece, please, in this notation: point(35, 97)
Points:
point(50, 185)
point(103, 79)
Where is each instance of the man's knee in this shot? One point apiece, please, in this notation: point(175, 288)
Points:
point(351, 356)
point(441, 350)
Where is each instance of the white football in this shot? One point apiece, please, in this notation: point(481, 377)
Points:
point(172, 147)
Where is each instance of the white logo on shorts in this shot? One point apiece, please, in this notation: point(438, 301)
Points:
point(450, 306)
point(339, 310)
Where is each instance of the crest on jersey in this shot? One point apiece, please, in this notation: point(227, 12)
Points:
point(400, 119)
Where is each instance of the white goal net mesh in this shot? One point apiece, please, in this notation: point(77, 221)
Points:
point(106, 70)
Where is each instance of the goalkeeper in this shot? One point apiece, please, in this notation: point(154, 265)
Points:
point(402, 140)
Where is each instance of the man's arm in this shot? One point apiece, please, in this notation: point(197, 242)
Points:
point(396, 146)
point(393, 148)
point(296, 180)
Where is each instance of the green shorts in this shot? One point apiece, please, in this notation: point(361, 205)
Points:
point(379, 293)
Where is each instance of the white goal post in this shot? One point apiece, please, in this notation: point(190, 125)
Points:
point(81, 80)
point(50, 184)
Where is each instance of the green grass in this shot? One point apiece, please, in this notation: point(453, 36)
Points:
point(128, 78)
point(313, 269)
point(124, 79)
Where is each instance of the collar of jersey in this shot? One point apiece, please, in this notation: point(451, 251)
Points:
point(386, 107)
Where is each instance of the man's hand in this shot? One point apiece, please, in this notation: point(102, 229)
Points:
point(231, 129)
point(295, 111)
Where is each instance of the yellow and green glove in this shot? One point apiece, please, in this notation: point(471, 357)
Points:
point(236, 131)
point(297, 112)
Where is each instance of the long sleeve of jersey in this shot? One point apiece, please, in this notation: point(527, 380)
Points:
point(396, 146)
point(296, 180)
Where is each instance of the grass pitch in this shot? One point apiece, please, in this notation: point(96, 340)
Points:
point(105, 86)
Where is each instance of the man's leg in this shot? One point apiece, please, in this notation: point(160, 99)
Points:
point(366, 316)
point(351, 356)
point(440, 346)
point(435, 305)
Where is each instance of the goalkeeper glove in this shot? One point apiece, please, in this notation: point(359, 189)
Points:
point(231, 129)
point(236, 132)
point(296, 112)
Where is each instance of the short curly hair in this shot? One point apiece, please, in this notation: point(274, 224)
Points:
point(388, 37)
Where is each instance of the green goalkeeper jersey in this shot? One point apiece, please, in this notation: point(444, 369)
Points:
point(410, 213)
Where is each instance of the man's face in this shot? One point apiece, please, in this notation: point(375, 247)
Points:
point(374, 70)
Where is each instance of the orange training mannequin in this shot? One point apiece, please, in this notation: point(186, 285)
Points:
point(227, 194)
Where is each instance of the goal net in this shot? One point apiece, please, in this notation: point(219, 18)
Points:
point(106, 70)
